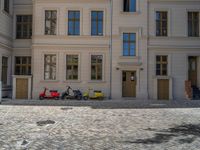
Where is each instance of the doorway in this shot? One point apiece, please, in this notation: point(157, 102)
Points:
point(192, 70)
point(21, 88)
point(129, 84)
point(163, 89)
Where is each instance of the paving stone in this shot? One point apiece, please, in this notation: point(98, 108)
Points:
point(107, 125)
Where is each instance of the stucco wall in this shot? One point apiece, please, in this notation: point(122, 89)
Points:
point(178, 46)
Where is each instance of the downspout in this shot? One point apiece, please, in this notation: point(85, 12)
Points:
point(110, 46)
point(147, 49)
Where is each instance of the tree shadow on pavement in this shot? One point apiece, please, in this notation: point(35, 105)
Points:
point(186, 134)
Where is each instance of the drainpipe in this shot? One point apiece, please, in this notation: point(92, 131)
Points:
point(0, 91)
point(110, 46)
point(148, 50)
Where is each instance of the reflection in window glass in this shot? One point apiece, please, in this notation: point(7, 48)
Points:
point(97, 23)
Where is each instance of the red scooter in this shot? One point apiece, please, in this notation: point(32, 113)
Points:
point(49, 94)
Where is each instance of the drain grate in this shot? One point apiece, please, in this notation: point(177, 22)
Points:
point(46, 122)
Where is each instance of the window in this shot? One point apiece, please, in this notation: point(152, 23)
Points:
point(96, 67)
point(23, 26)
point(72, 67)
point(161, 23)
point(129, 44)
point(193, 24)
point(4, 72)
point(97, 23)
point(50, 67)
point(74, 23)
point(129, 5)
point(161, 65)
point(22, 65)
point(6, 6)
point(50, 22)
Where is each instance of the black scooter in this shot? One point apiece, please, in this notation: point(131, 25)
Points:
point(71, 94)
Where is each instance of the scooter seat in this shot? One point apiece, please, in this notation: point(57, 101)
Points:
point(97, 91)
point(53, 91)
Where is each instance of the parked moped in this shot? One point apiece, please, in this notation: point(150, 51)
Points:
point(49, 94)
point(92, 94)
point(71, 94)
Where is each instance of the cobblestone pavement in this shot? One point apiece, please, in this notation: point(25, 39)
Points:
point(70, 127)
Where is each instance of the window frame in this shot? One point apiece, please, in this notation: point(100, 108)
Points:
point(74, 20)
point(4, 66)
point(161, 21)
point(91, 20)
point(78, 64)
point(56, 22)
point(161, 63)
point(29, 27)
point(27, 65)
point(188, 30)
point(6, 6)
point(129, 44)
point(96, 64)
point(128, 11)
point(51, 63)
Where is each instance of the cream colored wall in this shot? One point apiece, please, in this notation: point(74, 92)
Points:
point(60, 83)
point(85, 44)
point(6, 44)
point(62, 44)
point(177, 45)
point(130, 23)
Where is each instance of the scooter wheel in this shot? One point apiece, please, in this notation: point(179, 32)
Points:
point(57, 98)
point(85, 98)
point(41, 98)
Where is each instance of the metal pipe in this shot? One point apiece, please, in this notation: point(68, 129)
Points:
point(110, 46)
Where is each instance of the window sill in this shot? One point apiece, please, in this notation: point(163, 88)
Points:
point(50, 35)
point(49, 81)
point(22, 39)
point(72, 81)
point(6, 13)
point(73, 35)
point(97, 36)
point(128, 57)
point(162, 77)
point(162, 36)
point(97, 81)
point(130, 13)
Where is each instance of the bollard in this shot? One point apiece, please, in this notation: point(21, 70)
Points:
point(0, 91)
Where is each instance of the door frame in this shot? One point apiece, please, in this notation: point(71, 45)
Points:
point(158, 89)
point(15, 77)
point(155, 87)
point(196, 65)
point(135, 71)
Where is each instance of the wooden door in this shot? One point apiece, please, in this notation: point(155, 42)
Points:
point(163, 89)
point(21, 88)
point(129, 84)
point(192, 73)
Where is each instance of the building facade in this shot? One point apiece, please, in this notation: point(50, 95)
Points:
point(126, 48)
point(173, 49)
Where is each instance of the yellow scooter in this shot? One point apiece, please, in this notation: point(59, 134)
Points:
point(91, 94)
